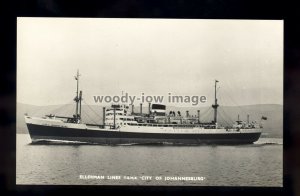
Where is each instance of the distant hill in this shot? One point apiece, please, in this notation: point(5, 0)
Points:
point(273, 126)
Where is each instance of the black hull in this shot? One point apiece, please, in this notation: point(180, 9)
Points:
point(40, 133)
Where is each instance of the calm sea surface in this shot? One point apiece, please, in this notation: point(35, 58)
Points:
point(259, 164)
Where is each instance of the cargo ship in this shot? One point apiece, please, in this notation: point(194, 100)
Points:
point(122, 126)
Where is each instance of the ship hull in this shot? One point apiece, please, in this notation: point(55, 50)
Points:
point(39, 133)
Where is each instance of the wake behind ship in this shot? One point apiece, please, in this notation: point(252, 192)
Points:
point(121, 126)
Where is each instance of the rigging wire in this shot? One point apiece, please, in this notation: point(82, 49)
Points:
point(233, 100)
point(69, 110)
point(205, 112)
point(205, 117)
point(225, 117)
point(224, 112)
point(92, 109)
point(89, 117)
point(61, 107)
point(42, 110)
point(223, 120)
point(226, 98)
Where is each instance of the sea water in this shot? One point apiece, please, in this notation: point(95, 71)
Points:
point(258, 164)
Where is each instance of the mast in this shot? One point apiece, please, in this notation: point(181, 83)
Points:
point(215, 105)
point(248, 118)
point(77, 99)
point(114, 117)
point(103, 116)
point(80, 98)
point(132, 109)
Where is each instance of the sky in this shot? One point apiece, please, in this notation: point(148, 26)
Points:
point(150, 56)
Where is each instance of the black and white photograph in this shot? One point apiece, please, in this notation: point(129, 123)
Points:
point(149, 102)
